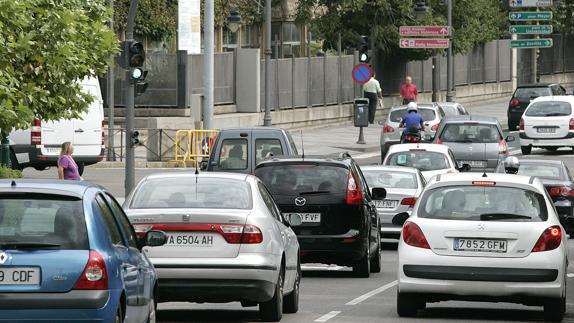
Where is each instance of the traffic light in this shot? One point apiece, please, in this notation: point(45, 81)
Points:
point(132, 55)
point(364, 50)
point(135, 138)
point(141, 84)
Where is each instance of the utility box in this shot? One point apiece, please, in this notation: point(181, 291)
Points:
point(361, 112)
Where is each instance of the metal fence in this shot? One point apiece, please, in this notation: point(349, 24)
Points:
point(223, 77)
point(559, 58)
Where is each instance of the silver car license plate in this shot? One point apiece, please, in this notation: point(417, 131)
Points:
point(190, 240)
point(387, 204)
point(480, 245)
point(546, 130)
point(474, 163)
point(20, 276)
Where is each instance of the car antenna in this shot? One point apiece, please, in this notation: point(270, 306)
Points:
point(486, 163)
point(196, 175)
point(302, 145)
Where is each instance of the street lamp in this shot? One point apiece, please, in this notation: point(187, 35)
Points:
point(234, 21)
point(420, 10)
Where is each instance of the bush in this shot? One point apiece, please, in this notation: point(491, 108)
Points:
point(9, 173)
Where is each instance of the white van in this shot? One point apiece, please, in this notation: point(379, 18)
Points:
point(39, 146)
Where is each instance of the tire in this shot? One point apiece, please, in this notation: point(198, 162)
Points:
point(554, 309)
point(362, 268)
point(408, 305)
point(152, 311)
point(526, 150)
point(291, 301)
point(81, 169)
point(272, 310)
point(376, 261)
point(119, 316)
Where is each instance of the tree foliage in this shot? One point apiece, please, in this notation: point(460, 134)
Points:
point(46, 47)
point(155, 19)
point(564, 16)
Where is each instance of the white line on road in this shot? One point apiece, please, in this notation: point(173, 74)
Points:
point(372, 293)
point(328, 316)
point(367, 155)
point(322, 267)
point(570, 275)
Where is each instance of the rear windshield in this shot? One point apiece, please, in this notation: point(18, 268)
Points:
point(304, 179)
point(191, 192)
point(532, 92)
point(427, 114)
point(549, 109)
point(390, 179)
point(541, 170)
point(483, 203)
point(420, 159)
point(470, 133)
point(453, 110)
point(53, 220)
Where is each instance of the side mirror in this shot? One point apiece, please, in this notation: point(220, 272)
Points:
point(378, 193)
point(203, 164)
point(155, 238)
point(295, 220)
point(510, 138)
point(400, 219)
point(464, 168)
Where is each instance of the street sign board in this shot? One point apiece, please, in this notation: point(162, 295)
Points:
point(530, 3)
point(530, 16)
point(422, 31)
point(531, 43)
point(362, 73)
point(422, 43)
point(531, 29)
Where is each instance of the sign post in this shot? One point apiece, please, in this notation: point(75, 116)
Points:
point(530, 16)
point(529, 3)
point(531, 43)
point(422, 43)
point(424, 31)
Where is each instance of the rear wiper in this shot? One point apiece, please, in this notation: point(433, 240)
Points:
point(502, 216)
point(28, 245)
point(314, 192)
point(555, 115)
point(464, 140)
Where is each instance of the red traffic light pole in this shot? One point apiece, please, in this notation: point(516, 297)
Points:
point(130, 103)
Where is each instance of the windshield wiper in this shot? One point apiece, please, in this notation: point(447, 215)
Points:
point(502, 216)
point(314, 192)
point(28, 245)
point(554, 115)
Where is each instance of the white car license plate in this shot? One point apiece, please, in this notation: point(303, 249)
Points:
point(20, 276)
point(474, 163)
point(306, 217)
point(387, 204)
point(480, 245)
point(183, 239)
point(546, 130)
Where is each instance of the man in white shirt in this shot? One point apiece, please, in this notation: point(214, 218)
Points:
point(372, 91)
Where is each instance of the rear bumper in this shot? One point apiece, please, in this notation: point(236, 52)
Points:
point(344, 250)
point(486, 274)
point(32, 156)
point(215, 290)
point(546, 142)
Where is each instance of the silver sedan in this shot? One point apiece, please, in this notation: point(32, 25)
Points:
point(226, 241)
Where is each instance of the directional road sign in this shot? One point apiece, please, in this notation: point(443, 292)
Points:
point(531, 29)
point(362, 73)
point(421, 43)
point(531, 43)
point(529, 3)
point(530, 16)
point(422, 31)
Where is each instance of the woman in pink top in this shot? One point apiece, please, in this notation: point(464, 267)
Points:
point(67, 167)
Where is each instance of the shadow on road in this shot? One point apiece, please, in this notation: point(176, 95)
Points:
point(219, 315)
point(328, 274)
point(457, 313)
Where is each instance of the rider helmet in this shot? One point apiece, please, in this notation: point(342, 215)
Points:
point(511, 165)
point(412, 106)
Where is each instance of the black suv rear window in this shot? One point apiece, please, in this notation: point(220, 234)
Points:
point(470, 133)
point(42, 219)
point(304, 179)
point(527, 93)
point(549, 109)
point(427, 114)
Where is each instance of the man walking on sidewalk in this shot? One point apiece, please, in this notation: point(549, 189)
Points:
point(373, 92)
point(409, 91)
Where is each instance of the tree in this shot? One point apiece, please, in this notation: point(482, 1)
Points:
point(155, 19)
point(46, 47)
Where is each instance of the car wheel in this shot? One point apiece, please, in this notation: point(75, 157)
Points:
point(376, 261)
point(272, 310)
point(526, 150)
point(119, 317)
point(554, 309)
point(151, 317)
point(362, 268)
point(408, 304)
point(291, 301)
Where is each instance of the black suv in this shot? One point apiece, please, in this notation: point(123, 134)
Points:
point(522, 96)
point(330, 208)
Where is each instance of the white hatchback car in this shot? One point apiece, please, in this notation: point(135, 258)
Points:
point(476, 238)
point(430, 159)
point(226, 241)
point(548, 122)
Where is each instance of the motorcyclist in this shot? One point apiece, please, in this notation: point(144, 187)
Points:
point(511, 165)
point(412, 121)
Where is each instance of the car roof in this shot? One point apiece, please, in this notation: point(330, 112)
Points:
point(542, 161)
point(252, 129)
point(448, 103)
point(343, 159)
point(530, 85)
point(420, 105)
point(47, 186)
point(402, 169)
point(471, 117)
point(498, 178)
point(191, 174)
point(565, 98)
point(428, 147)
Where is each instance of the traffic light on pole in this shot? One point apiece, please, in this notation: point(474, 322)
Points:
point(135, 138)
point(364, 50)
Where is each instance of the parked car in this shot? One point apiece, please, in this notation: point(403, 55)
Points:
point(559, 183)
point(226, 241)
point(475, 238)
point(404, 185)
point(391, 133)
point(240, 150)
point(69, 253)
point(452, 109)
point(339, 221)
point(430, 159)
point(474, 140)
point(39, 146)
point(524, 94)
point(548, 122)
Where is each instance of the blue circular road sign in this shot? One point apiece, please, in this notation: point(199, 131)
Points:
point(362, 73)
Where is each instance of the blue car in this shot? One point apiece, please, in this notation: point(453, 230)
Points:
point(69, 254)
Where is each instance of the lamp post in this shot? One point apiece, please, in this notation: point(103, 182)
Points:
point(420, 14)
point(449, 62)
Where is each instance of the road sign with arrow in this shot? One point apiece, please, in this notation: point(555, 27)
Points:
point(530, 16)
point(531, 29)
point(531, 43)
point(422, 31)
point(529, 3)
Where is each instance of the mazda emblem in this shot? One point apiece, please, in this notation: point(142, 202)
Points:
point(300, 201)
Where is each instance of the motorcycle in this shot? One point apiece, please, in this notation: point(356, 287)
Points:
point(412, 136)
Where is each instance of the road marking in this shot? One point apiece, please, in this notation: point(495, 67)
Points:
point(372, 293)
point(328, 316)
point(569, 275)
point(322, 267)
point(367, 155)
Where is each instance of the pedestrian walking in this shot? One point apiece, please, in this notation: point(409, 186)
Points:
point(409, 91)
point(67, 167)
point(372, 91)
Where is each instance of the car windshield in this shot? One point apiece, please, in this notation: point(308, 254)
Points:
point(390, 179)
point(420, 159)
point(470, 133)
point(483, 203)
point(527, 93)
point(304, 179)
point(549, 109)
point(426, 113)
point(42, 221)
point(192, 192)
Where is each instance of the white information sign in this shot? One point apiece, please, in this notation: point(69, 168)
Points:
point(189, 26)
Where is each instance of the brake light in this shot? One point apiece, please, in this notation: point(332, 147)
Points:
point(142, 229)
point(414, 236)
point(95, 275)
point(232, 233)
point(521, 124)
point(36, 132)
point(387, 129)
point(549, 240)
point(571, 124)
point(502, 147)
point(561, 191)
point(514, 102)
point(409, 201)
point(354, 194)
point(435, 127)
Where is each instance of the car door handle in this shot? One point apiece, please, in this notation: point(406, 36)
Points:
point(80, 130)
